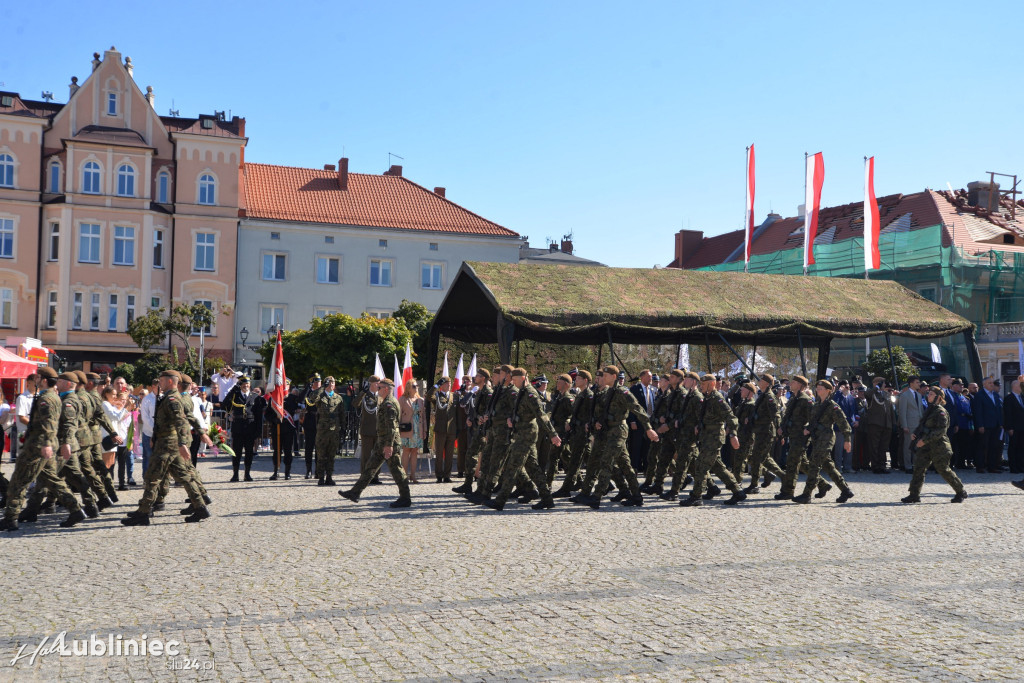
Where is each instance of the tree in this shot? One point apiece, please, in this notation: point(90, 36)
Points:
point(417, 320)
point(878, 365)
point(157, 326)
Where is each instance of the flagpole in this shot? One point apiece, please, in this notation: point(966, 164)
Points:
point(807, 219)
point(867, 340)
point(746, 219)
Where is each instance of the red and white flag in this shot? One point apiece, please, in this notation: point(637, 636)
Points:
point(459, 372)
point(398, 379)
point(472, 368)
point(444, 370)
point(378, 369)
point(748, 223)
point(872, 258)
point(277, 383)
point(815, 179)
point(407, 367)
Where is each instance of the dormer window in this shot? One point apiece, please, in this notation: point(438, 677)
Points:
point(112, 104)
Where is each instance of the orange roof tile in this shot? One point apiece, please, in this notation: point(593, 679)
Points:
point(311, 195)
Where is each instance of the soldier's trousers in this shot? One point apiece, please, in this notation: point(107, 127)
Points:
point(556, 454)
point(309, 441)
point(98, 466)
point(740, 458)
point(666, 456)
point(938, 458)
point(473, 452)
point(523, 454)
point(32, 466)
point(165, 485)
point(462, 448)
point(821, 460)
point(709, 459)
point(377, 459)
point(328, 441)
point(366, 444)
point(613, 453)
point(492, 458)
point(761, 456)
point(796, 460)
point(653, 455)
point(578, 452)
point(162, 462)
point(444, 453)
point(87, 468)
point(72, 473)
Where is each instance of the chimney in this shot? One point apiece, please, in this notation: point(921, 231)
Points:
point(566, 246)
point(73, 87)
point(394, 170)
point(552, 248)
point(129, 67)
point(984, 194)
point(687, 242)
point(330, 167)
point(150, 97)
point(343, 173)
point(439, 191)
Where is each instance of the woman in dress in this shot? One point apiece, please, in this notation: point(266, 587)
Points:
point(411, 427)
point(120, 415)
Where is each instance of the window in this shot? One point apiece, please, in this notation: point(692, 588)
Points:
point(273, 266)
point(158, 248)
point(94, 311)
point(54, 252)
point(271, 314)
point(88, 243)
point(163, 188)
point(430, 275)
point(927, 293)
point(6, 238)
point(207, 189)
point(51, 310)
point(377, 313)
point(154, 303)
point(124, 245)
point(125, 181)
point(275, 235)
point(91, 178)
point(382, 243)
point(380, 272)
point(327, 269)
point(6, 307)
point(6, 170)
point(1002, 309)
point(76, 312)
point(433, 246)
point(324, 311)
point(129, 310)
point(205, 244)
point(112, 104)
point(55, 177)
point(209, 307)
point(112, 313)
point(329, 239)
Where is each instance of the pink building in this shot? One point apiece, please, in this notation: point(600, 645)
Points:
point(108, 209)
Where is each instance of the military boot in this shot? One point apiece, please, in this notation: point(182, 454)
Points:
point(823, 488)
point(351, 494)
point(802, 498)
point(545, 503)
point(768, 479)
point(959, 497)
point(91, 510)
point(8, 524)
point(911, 499)
point(198, 516)
point(28, 515)
point(846, 495)
point(73, 519)
point(620, 496)
point(691, 502)
point(401, 502)
point(737, 497)
point(711, 492)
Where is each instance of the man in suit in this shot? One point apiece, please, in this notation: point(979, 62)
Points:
point(643, 391)
point(1013, 422)
point(959, 409)
point(909, 410)
point(877, 425)
point(987, 408)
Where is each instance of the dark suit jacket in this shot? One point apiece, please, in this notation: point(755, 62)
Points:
point(638, 392)
point(987, 414)
point(1013, 413)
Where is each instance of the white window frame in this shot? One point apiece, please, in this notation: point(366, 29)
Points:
point(274, 257)
point(98, 237)
point(55, 187)
point(7, 236)
point(440, 280)
point(94, 311)
point(77, 310)
point(7, 317)
point(163, 187)
point(51, 309)
point(272, 313)
point(112, 312)
point(8, 170)
point(209, 328)
point(129, 310)
point(324, 311)
point(126, 172)
point(127, 230)
point(158, 247)
point(380, 271)
point(210, 188)
point(378, 313)
point(91, 167)
point(53, 242)
point(210, 247)
point(328, 258)
point(112, 103)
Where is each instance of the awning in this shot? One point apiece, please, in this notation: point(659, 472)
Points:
point(15, 367)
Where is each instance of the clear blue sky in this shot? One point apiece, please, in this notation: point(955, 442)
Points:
point(619, 123)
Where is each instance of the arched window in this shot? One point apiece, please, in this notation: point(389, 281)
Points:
point(55, 177)
point(163, 188)
point(207, 189)
point(125, 181)
point(91, 178)
point(6, 170)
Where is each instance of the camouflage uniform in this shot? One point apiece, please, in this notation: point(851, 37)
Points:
point(798, 413)
point(716, 423)
point(186, 402)
point(765, 422)
point(824, 416)
point(686, 422)
point(529, 420)
point(659, 416)
point(936, 450)
point(43, 430)
point(170, 430)
point(387, 435)
point(481, 401)
point(330, 412)
point(675, 401)
point(495, 452)
point(611, 416)
point(745, 418)
point(561, 413)
point(579, 438)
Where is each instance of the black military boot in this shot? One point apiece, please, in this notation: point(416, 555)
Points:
point(846, 495)
point(911, 499)
point(686, 482)
point(768, 479)
point(248, 477)
point(350, 494)
point(234, 477)
point(634, 501)
point(620, 496)
point(802, 498)
point(91, 510)
point(103, 503)
point(737, 497)
point(465, 488)
point(8, 524)
point(691, 502)
point(823, 489)
point(198, 516)
point(753, 488)
point(273, 477)
point(545, 503)
point(959, 498)
point(329, 481)
point(320, 481)
point(158, 507)
point(529, 496)
point(647, 488)
point(495, 504)
point(28, 516)
point(187, 511)
point(207, 499)
point(711, 492)
point(73, 519)
point(783, 496)
point(111, 492)
point(401, 502)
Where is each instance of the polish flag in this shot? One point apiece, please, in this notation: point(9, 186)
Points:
point(378, 369)
point(398, 379)
point(748, 224)
point(472, 368)
point(276, 383)
point(444, 370)
point(459, 372)
point(407, 368)
point(872, 258)
point(815, 179)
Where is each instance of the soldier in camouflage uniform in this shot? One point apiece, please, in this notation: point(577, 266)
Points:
point(36, 459)
point(593, 463)
point(794, 422)
point(527, 420)
point(578, 446)
point(492, 458)
point(716, 423)
point(476, 416)
point(172, 437)
point(765, 422)
point(610, 421)
point(668, 430)
point(820, 429)
point(94, 454)
point(330, 415)
point(386, 449)
point(659, 417)
point(685, 420)
point(561, 408)
point(75, 435)
point(184, 388)
point(933, 448)
point(745, 417)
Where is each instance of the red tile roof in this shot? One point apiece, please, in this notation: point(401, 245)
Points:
point(310, 195)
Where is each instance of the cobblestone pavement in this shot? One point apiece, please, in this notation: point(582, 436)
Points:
point(289, 581)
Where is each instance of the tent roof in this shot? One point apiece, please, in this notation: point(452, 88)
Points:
point(13, 366)
point(573, 305)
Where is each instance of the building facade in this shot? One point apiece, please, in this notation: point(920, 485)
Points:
point(108, 210)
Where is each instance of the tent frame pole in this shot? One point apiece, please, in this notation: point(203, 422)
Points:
point(753, 375)
point(800, 342)
point(707, 349)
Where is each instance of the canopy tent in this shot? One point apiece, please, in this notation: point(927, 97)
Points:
point(504, 302)
point(15, 367)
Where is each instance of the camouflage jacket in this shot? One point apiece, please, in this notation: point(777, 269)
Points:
point(690, 416)
point(824, 416)
point(797, 415)
point(674, 408)
point(330, 410)
point(582, 412)
point(84, 408)
point(387, 421)
point(70, 424)
point(529, 409)
point(170, 426)
point(504, 405)
point(561, 411)
point(933, 428)
point(745, 418)
point(717, 418)
point(44, 421)
point(766, 413)
point(190, 413)
point(616, 404)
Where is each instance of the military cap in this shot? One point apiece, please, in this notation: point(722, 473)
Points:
point(68, 376)
point(173, 374)
point(678, 373)
point(749, 386)
point(803, 380)
point(585, 374)
point(484, 372)
point(371, 380)
point(507, 369)
point(540, 379)
point(47, 372)
point(693, 375)
point(185, 379)
point(655, 378)
point(824, 383)
point(564, 378)
point(327, 380)
point(79, 376)
point(741, 378)
point(707, 378)
point(443, 380)
point(315, 377)
point(519, 372)
point(878, 380)
point(385, 382)
point(765, 377)
point(622, 375)
point(92, 377)
point(610, 370)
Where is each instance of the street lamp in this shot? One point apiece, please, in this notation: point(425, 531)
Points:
point(273, 330)
point(244, 334)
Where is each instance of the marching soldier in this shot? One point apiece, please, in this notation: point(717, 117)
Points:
point(716, 423)
point(794, 423)
point(368, 424)
point(330, 416)
point(561, 407)
point(463, 398)
point(658, 418)
point(244, 424)
point(386, 449)
point(578, 434)
point(683, 416)
point(446, 414)
point(766, 421)
point(744, 410)
point(94, 454)
point(496, 442)
point(480, 403)
point(198, 434)
point(933, 448)
point(826, 415)
point(309, 421)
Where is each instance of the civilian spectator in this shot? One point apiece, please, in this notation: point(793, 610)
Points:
point(119, 413)
point(1013, 422)
point(847, 402)
point(639, 445)
point(147, 409)
point(223, 382)
point(411, 427)
point(987, 408)
point(910, 409)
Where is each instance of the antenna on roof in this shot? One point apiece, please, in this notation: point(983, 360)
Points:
point(173, 111)
point(47, 95)
point(395, 156)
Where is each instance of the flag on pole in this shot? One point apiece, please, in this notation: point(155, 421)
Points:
point(459, 374)
point(1020, 354)
point(444, 370)
point(378, 369)
point(472, 367)
point(936, 355)
point(812, 202)
point(748, 224)
point(683, 361)
point(398, 379)
point(872, 258)
point(407, 368)
point(277, 381)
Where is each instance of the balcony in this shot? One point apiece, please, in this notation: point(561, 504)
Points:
point(992, 333)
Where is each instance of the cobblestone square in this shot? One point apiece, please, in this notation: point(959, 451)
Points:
point(287, 581)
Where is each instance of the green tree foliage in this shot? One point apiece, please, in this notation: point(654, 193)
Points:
point(417, 320)
point(878, 365)
point(158, 325)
